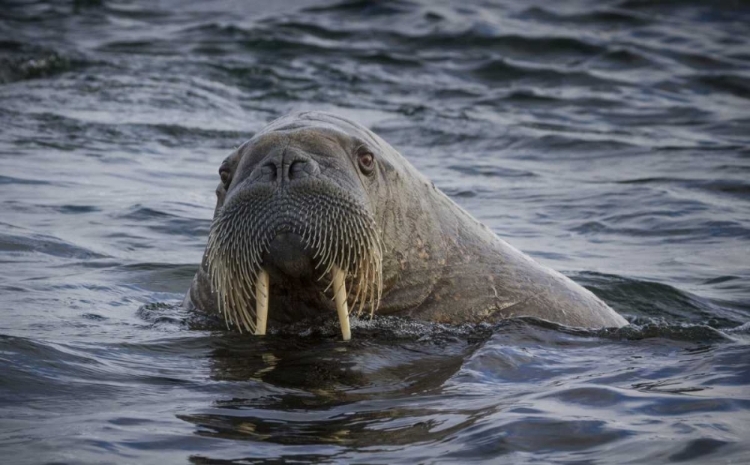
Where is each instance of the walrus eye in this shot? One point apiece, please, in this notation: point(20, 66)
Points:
point(366, 162)
point(226, 177)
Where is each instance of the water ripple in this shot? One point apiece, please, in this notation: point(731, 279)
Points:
point(608, 140)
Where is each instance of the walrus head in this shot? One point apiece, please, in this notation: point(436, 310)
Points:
point(294, 214)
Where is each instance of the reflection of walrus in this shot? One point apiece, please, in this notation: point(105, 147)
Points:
point(318, 214)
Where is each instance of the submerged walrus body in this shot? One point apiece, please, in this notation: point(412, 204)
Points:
point(318, 214)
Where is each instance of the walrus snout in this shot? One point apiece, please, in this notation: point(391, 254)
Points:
point(288, 257)
point(289, 234)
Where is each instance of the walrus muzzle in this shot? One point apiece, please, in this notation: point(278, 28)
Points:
point(308, 221)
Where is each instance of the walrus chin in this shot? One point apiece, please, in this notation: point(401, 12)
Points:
point(308, 229)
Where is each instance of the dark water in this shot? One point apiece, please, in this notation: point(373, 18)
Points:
point(609, 140)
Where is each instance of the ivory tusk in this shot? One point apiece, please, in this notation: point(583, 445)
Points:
point(261, 303)
point(342, 308)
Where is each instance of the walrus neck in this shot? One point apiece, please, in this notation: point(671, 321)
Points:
point(416, 249)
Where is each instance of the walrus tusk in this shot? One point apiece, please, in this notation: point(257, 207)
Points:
point(261, 303)
point(339, 290)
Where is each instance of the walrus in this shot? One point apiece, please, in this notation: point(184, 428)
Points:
point(318, 214)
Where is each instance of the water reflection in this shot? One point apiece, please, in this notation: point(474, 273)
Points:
point(313, 390)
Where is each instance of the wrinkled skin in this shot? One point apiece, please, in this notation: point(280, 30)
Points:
point(438, 262)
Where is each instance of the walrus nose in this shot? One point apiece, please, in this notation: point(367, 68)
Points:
point(287, 168)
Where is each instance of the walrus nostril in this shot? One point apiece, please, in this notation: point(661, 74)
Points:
point(296, 169)
point(269, 171)
point(278, 169)
point(299, 169)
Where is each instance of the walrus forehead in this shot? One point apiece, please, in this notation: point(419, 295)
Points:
point(334, 125)
point(314, 140)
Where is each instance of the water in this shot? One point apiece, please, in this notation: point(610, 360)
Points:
point(609, 140)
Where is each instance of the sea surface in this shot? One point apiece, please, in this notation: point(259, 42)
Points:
point(609, 140)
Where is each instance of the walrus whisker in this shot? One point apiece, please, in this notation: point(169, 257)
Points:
point(328, 287)
point(366, 282)
point(361, 276)
point(340, 233)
